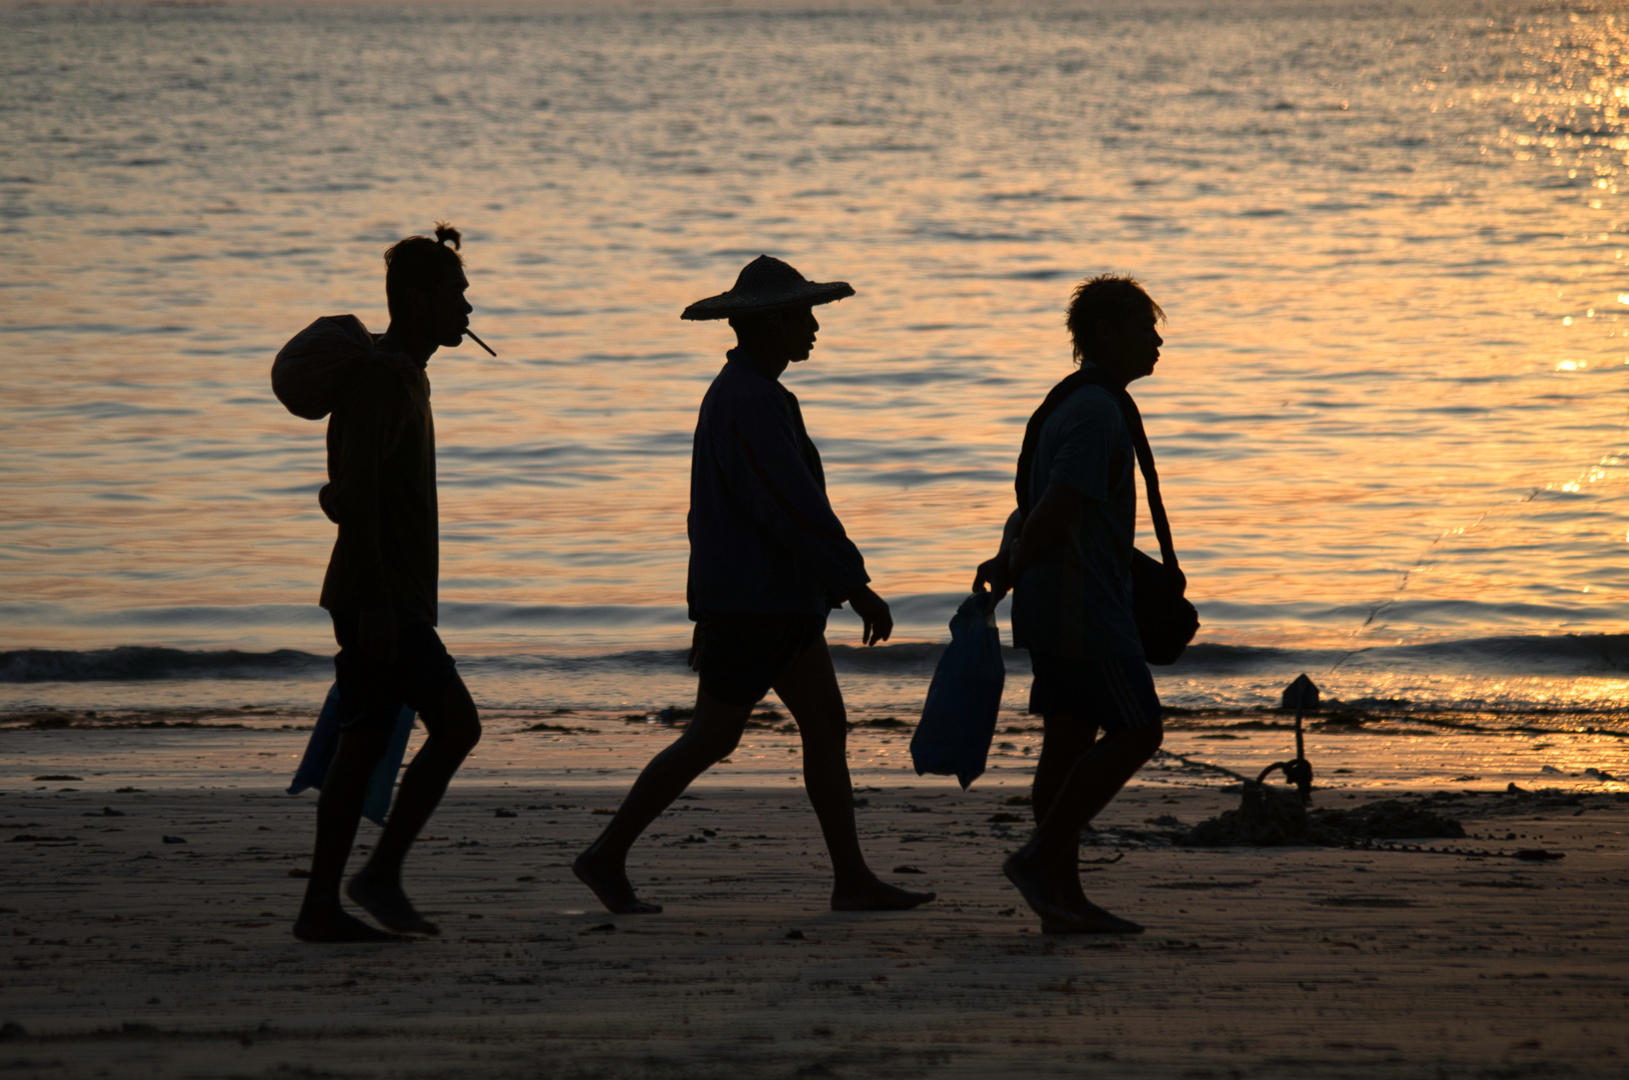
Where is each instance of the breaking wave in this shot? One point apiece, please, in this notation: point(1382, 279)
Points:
point(1602, 655)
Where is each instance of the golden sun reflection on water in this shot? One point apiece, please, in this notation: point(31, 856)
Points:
point(1390, 408)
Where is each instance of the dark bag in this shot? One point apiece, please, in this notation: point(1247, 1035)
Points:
point(964, 699)
point(1165, 620)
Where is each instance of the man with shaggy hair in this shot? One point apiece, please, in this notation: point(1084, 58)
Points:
point(1067, 554)
point(381, 593)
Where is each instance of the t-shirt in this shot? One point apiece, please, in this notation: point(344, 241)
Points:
point(1076, 601)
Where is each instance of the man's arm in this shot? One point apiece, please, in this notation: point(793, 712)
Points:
point(764, 462)
point(372, 423)
point(1047, 524)
point(876, 621)
point(996, 571)
point(1087, 447)
point(766, 470)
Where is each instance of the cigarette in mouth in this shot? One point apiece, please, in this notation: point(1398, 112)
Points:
point(478, 341)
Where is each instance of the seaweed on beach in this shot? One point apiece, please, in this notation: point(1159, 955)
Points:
point(1274, 817)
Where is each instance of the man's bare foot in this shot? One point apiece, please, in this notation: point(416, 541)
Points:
point(876, 895)
point(612, 887)
point(385, 901)
point(1090, 919)
point(1026, 876)
point(334, 926)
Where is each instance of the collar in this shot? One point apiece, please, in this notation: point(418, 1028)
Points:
point(747, 361)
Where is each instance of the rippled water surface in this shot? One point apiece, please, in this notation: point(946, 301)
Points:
point(1389, 238)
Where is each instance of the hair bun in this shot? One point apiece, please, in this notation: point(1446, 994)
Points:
point(445, 232)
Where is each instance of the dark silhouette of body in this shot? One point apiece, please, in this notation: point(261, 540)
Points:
point(1114, 326)
point(381, 592)
point(768, 560)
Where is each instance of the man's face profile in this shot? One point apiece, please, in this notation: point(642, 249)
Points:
point(448, 310)
point(440, 311)
point(1130, 348)
point(798, 328)
point(787, 335)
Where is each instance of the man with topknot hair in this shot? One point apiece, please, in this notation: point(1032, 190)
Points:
point(381, 593)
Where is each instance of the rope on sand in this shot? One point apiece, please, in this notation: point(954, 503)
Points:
point(1524, 854)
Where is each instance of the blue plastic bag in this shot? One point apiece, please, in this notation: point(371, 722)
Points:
point(959, 717)
point(319, 753)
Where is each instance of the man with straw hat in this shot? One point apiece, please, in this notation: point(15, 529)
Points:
point(768, 561)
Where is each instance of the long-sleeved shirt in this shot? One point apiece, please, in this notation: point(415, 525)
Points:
point(381, 491)
point(763, 535)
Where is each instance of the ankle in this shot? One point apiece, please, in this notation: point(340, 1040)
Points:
point(378, 872)
point(1028, 856)
point(855, 881)
point(320, 905)
point(603, 857)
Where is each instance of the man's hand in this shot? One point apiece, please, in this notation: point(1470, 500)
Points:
point(873, 612)
point(1048, 523)
point(997, 574)
point(377, 628)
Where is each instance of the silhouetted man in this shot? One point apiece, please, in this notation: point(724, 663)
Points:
point(381, 592)
point(1070, 558)
point(768, 561)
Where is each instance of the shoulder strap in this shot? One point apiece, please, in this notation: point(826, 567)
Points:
point(1139, 442)
point(1032, 431)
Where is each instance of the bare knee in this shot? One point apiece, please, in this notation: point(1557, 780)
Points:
point(712, 743)
point(825, 737)
point(1144, 742)
point(455, 732)
point(465, 735)
point(1130, 747)
point(455, 724)
point(714, 730)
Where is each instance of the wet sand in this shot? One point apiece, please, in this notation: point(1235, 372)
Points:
point(130, 956)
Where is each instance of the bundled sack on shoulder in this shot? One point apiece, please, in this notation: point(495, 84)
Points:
point(959, 718)
point(311, 373)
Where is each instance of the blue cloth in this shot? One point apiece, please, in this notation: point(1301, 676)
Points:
point(319, 754)
point(763, 536)
point(959, 717)
point(1075, 602)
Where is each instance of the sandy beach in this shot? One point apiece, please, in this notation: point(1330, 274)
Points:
point(152, 877)
point(1390, 243)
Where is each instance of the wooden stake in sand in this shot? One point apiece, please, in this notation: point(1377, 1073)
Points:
point(1302, 696)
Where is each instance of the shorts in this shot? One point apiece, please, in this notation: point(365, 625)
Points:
point(741, 654)
point(372, 692)
point(1116, 693)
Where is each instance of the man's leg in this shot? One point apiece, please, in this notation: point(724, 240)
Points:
point(339, 809)
point(1066, 738)
point(1041, 868)
point(809, 689)
point(453, 727)
point(713, 733)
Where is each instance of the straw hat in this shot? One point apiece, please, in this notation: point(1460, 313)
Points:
point(766, 285)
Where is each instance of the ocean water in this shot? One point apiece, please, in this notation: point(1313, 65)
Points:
point(1389, 238)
